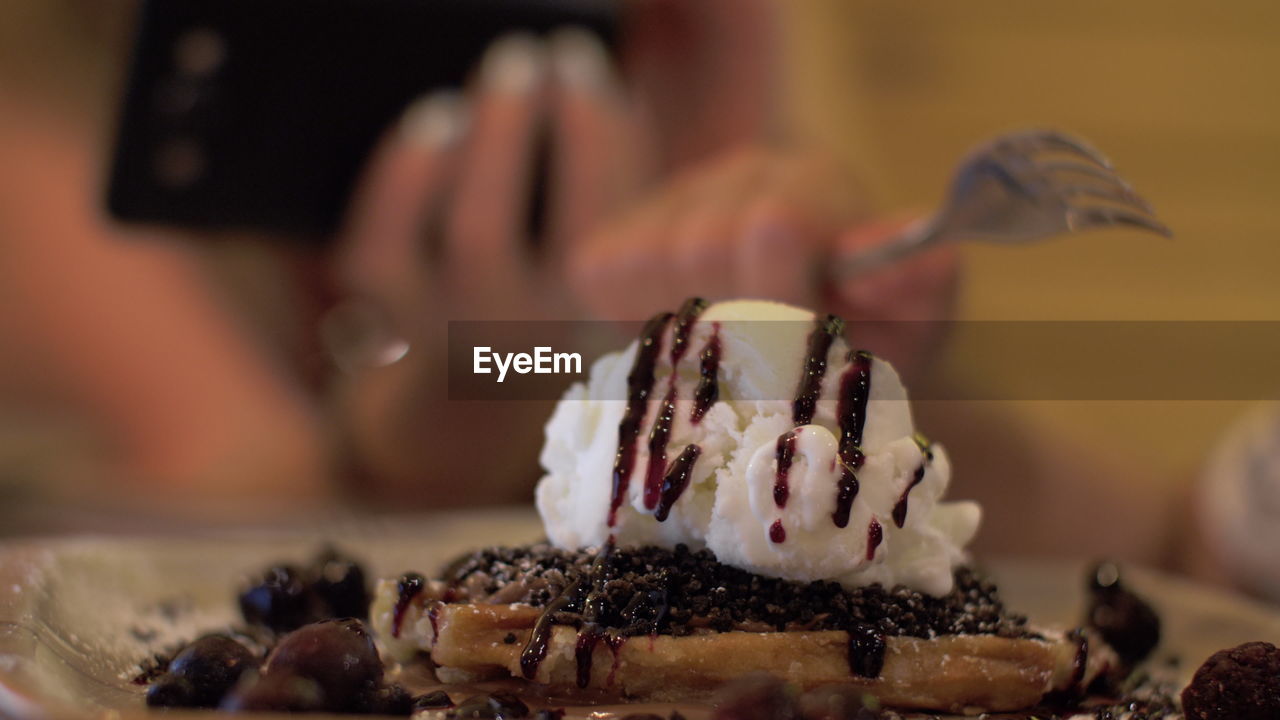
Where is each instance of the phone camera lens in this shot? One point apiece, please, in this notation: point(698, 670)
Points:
point(178, 163)
point(199, 52)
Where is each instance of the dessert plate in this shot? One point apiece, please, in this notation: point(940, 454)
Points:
point(77, 615)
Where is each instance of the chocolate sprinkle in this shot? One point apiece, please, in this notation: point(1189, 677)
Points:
point(638, 591)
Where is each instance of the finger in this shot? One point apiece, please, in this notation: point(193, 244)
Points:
point(778, 251)
point(593, 140)
point(705, 234)
point(380, 247)
point(485, 244)
point(920, 287)
point(620, 271)
point(789, 227)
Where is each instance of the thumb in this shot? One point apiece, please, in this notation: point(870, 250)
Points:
point(919, 287)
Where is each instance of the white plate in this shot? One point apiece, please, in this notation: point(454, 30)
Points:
point(77, 615)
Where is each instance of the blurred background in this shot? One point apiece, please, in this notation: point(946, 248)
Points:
point(1182, 95)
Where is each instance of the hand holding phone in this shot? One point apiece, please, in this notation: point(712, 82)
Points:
point(258, 114)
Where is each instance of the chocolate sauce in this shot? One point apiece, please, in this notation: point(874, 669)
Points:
point(676, 480)
point(815, 367)
point(851, 411)
point(846, 487)
point(433, 616)
point(1080, 662)
point(708, 390)
point(407, 588)
point(785, 453)
point(615, 643)
point(900, 508)
point(777, 533)
point(685, 319)
point(660, 434)
point(875, 535)
point(866, 650)
point(584, 653)
point(639, 385)
point(536, 649)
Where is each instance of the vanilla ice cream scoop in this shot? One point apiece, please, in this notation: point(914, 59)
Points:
point(750, 428)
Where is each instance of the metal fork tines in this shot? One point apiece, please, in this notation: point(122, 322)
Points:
point(1022, 187)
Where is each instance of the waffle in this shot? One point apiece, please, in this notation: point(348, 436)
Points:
point(512, 613)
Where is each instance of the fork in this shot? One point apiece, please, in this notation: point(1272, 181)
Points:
point(1019, 188)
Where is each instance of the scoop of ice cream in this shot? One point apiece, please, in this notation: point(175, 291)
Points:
point(751, 429)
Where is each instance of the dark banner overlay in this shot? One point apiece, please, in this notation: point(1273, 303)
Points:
point(999, 361)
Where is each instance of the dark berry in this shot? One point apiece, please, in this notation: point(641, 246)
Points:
point(339, 583)
point(337, 654)
point(171, 691)
point(212, 664)
point(549, 714)
point(433, 701)
point(280, 692)
point(1241, 683)
point(389, 700)
point(279, 600)
point(756, 696)
point(1125, 621)
point(498, 706)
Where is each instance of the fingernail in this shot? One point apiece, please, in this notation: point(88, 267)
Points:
point(514, 64)
point(435, 121)
point(579, 59)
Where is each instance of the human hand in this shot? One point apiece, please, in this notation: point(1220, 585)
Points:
point(707, 73)
point(764, 223)
point(439, 230)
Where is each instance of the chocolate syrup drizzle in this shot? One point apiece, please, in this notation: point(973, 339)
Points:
point(777, 533)
point(708, 390)
point(536, 649)
point(660, 434)
point(639, 385)
point(866, 650)
point(851, 409)
point(786, 453)
point(875, 535)
point(900, 507)
point(803, 406)
point(407, 588)
point(584, 652)
point(676, 480)
point(825, 332)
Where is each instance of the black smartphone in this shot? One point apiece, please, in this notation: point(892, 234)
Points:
point(259, 114)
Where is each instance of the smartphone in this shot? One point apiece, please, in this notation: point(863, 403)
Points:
point(259, 114)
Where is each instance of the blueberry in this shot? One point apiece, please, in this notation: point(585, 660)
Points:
point(1125, 620)
point(339, 583)
point(549, 714)
point(279, 600)
point(433, 701)
point(212, 664)
point(498, 706)
point(337, 654)
point(275, 693)
point(389, 700)
point(171, 691)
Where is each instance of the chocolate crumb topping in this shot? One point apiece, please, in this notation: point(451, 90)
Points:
point(638, 591)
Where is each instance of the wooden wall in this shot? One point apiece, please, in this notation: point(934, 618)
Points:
point(1185, 98)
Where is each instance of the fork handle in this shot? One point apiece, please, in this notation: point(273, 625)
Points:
point(915, 238)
